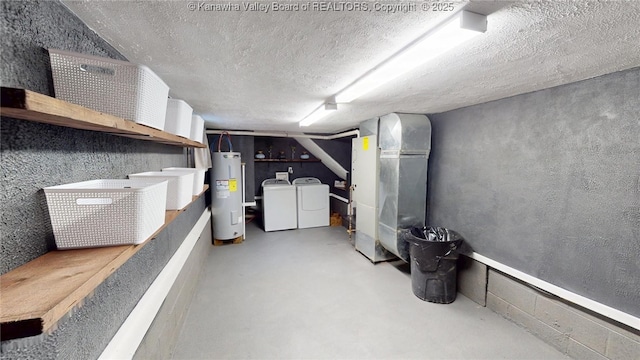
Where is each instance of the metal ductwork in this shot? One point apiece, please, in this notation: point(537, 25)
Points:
point(394, 180)
point(326, 159)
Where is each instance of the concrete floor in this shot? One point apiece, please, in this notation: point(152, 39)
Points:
point(307, 294)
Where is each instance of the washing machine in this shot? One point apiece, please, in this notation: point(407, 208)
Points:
point(313, 202)
point(279, 205)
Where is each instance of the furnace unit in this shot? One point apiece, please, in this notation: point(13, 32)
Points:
point(389, 166)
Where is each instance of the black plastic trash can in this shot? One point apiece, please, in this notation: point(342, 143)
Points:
point(433, 258)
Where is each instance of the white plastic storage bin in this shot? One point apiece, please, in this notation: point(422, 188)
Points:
point(179, 187)
point(115, 87)
point(197, 128)
point(105, 212)
point(198, 177)
point(178, 119)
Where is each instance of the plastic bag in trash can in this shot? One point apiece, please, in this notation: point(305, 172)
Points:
point(441, 234)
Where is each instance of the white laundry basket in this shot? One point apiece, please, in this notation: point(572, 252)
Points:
point(197, 128)
point(105, 212)
point(179, 186)
point(198, 177)
point(115, 87)
point(178, 119)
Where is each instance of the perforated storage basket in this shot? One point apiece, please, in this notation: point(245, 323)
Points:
point(178, 119)
point(115, 87)
point(179, 186)
point(105, 212)
point(198, 177)
point(197, 128)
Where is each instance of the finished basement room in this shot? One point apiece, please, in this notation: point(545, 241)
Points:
point(292, 179)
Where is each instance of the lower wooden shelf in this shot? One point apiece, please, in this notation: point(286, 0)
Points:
point(36, 295)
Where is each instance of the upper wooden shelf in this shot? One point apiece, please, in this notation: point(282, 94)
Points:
point(29, 105)
point(36, 295)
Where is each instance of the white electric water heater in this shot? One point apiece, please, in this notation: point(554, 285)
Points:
point(226, 196)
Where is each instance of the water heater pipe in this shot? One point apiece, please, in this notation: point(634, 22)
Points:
point(306, 142)
point(244, 211)
point(355, 133)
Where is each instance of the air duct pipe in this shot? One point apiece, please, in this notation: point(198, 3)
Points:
point(326, 159)
point(355, 133)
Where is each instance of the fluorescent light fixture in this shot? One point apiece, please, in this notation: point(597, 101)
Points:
point(317, 114)
point(456, 30)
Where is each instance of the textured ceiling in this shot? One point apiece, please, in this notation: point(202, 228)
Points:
point(257, 70)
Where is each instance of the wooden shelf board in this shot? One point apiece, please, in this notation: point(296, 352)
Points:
point(36, 295)
point(31, 106)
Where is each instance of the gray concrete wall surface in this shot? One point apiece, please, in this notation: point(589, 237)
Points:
point(339, 149)
point(256, 172)
point(39, 155)
point(28, 29)
point(548, 183)
point(35, 155)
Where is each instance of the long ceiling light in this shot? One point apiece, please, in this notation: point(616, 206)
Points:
point(456, 30)
point(324, 110)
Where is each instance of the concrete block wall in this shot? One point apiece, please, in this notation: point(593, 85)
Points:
point(472, 279)
point(160, 339)
point(575, 331)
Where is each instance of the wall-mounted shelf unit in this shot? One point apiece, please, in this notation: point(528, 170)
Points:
point(31, 106)
point(286, 160)
point(36, 295)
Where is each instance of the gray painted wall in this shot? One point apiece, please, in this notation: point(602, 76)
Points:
point(28, 29)
point(38, 155)
point(548, 183)
point(256, 172)
point(338, 149)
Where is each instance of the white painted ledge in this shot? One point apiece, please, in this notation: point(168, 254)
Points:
point(338, 197)
point(580, 300)
point(126, 341)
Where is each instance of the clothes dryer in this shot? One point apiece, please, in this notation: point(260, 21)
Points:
point(313, 202)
